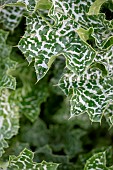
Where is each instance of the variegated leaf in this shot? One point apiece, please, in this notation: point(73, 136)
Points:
point(30, 5)
point(81, 12)
point(63, 35)
point(9, 119)
point(87, 94)
point(25, 161)
point(42, 43)
point(31, 103)
point(12, 2)
point(11, 17)
point(97, 161)
point(90, 93)
point(109, 114)
point(102, 28)
point(6, 64)
point(30, 96)
point(104, 58)
point(68, 8)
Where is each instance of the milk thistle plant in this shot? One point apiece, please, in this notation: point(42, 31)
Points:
point(56, 84)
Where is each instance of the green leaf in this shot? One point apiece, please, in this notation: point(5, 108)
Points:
point(24, 161)
point(84, 157)
point(102, 30)
point(30, 96)
point(79, 12)
point(87, 95)
point(36, 46)
point(89, 78)
point(68, 139)
point(37, 40)
point(30, 104)
point(109, 114)
point(3, 165)
point(63, 35)
point(35, 134)
point(84, 34)
point(63, 114)
point(45, 153)
point(15, 147)
point(97, 161)
point(7, 2)
point(105, 58)
point(68, 8)
point(9, 119)
point(29, 4)
point(92, 92)
point(43, 4)
point(11, 17)
point(6, 64)
point(95, 7)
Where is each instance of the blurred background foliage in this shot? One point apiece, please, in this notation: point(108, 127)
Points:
point(49, 131)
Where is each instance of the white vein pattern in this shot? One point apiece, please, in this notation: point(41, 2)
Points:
point(25, 161)
point(11, 17)
point(9, 117)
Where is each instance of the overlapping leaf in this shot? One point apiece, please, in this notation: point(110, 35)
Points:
point(88, 82)
point(63, 114)
point(109, 114)
point(36, 135)
point(92, 94)
point(25, 161)
point(69, 140)
point(97, 161)
point(105, 59)
point(83, 157)
point(42, 42)
point(68, 8)
point(8, 110)
point(30, 96)
point(45, 153)
point(6, 64)
point(86, 15)
point(10, 17)
point(9, 119)
point(30, 105)
point(43, 4)
point(29, 4)
point(102, 28)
